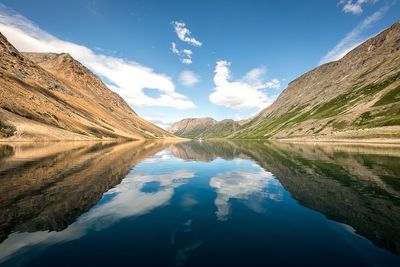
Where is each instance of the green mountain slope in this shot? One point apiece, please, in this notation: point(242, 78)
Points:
point(356, 96)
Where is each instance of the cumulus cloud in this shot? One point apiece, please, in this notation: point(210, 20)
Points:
point(246, 93)
point(355, 6)
point(353, 38)
point(184, 33)
point(125, 77)
point(185, 55)
point(188, 78)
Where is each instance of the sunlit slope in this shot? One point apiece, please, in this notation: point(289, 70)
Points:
point(47, 96)
point(338, 99)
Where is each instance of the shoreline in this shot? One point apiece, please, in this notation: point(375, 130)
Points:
point(344, 141)
point(90, 140)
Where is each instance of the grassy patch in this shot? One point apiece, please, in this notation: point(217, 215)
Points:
point(339, 125)
point(364, 118)
point(383, 117)
point(332, 108)
point(374, 88)
point(390, 97)
point(6, 129)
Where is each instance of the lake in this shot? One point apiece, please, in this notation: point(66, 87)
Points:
point(214, 203)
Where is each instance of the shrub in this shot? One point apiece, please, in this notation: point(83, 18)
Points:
point(6, 129)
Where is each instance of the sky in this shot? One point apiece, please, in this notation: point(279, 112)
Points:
point(176, 59)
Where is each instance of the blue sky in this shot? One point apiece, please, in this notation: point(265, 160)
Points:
point(242, 54)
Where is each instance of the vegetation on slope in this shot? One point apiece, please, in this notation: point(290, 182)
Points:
point(359, 92)
point(6, 129)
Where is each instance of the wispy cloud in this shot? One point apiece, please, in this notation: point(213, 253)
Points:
point(184, 33)
point(188, 78)
point(355, 6)
point(158, 119)
point(127, 78)
point(91, 6)
point(246, 93)
point(185, 55)
point(354, 38)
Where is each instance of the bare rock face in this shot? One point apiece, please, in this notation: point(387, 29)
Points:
point(48, 96)
point(356, 96)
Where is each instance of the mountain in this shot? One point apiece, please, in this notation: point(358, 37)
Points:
point(357, 96)
point(204, 127)
point(191, 127)
point(47, 96)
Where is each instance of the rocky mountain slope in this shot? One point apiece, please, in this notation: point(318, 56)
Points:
point(204, 127)
point(356, 96)
point(47, 96)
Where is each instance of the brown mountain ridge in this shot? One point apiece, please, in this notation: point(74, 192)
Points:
point(48, 96)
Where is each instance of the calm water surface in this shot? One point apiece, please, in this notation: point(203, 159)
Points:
point(199, 204)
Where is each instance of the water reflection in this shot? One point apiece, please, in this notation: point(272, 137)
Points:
point(200, 194)
point(46, 186)
point(243, 185)
point(356, 185)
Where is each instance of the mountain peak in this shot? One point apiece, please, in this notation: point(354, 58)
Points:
point(53, 96)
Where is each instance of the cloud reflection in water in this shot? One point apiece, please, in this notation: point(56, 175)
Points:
point(125, 200)
point(242, 185)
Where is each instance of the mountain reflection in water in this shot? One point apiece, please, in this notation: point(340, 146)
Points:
point(55, 193)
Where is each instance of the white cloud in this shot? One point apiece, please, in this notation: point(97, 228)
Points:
point(186, 61)
point(185, 55)
point(184, 33)
point(353, 38)
point(246, 93)
point(355, 6)
point(187, 52)
point(159, 122)
point(174, 49)
point(127, 78)
point(188, 78)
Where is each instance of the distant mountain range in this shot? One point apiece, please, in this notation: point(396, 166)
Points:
point(204, 127)
point(47, 96)
point(357, 96)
